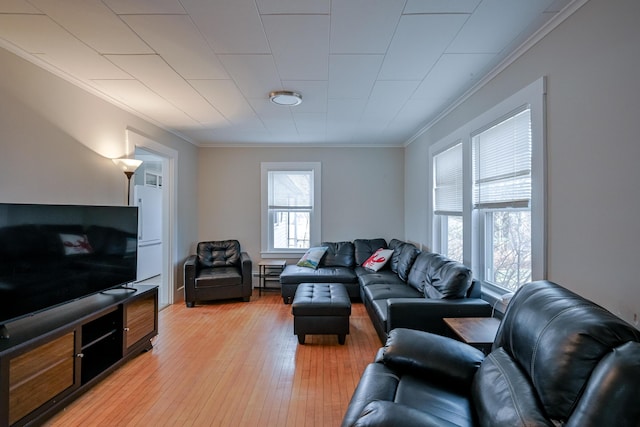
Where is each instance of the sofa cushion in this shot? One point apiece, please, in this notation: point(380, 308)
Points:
point(312, 257)
point(364, 248)
point(219, 276)
point(378, 277)
point(378, 259)
point(339, 254)
point(439, 277)
point(512, 400)
point(402, 259)
point(383, 291)
point(292, 274)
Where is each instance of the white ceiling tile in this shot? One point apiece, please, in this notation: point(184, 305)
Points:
point(226, 98)
point(480, 34)
point(387, 98)
point(272, 7)
point(452, 75)
point(154, 73)
point(255, 75)
point(145, 6)
point(353, 76)
point(37, 34)
point(93, 23)
point(314, 95)
point(300, 45)
point(351, 33)
point(315, 123)
point(17, 6)
point(417, 44)
point(183, 48)
point(230, 26)
point(439, 6)
point(141, 98)
point(342, 111)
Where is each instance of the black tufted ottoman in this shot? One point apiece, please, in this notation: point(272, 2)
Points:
point(321, 308)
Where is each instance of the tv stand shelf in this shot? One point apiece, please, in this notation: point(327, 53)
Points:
point(54, 356)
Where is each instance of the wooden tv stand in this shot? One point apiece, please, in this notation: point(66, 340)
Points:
point(54, 356)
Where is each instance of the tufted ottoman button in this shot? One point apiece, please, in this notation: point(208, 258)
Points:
point(321, 308)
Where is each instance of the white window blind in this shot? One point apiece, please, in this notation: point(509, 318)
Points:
point(291, 190)
point(448, 181)
point(502, 164)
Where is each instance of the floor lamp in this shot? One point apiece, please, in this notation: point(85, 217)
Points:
point(129, 167)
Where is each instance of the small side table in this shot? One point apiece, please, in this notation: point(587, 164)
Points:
point(480, 332)
point(269, 271)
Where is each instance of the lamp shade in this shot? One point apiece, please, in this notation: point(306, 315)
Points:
point(128, 165)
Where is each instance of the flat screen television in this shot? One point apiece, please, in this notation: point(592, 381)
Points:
point(54, 254)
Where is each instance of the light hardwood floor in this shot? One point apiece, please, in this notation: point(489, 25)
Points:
point(231, 364)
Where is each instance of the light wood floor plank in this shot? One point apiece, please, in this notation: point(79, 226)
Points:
point(231, 363)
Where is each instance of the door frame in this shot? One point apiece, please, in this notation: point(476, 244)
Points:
point(169, 206)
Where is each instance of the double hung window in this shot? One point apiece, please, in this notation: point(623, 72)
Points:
point(488, 195)
point(447, 194)
point(502, 198)
point(290, 206)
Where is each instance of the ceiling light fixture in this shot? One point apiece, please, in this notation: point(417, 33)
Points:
point(285, 97)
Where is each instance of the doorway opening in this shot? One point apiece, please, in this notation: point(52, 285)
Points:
point(154, 194)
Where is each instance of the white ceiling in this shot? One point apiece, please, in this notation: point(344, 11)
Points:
point(371, 72)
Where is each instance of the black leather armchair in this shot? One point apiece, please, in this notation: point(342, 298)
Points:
point(558, 359)
point(219, 270)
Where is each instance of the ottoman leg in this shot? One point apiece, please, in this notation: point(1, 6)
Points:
point(301, 338)
point(341, 339)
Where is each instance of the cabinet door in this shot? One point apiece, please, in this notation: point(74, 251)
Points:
point(40, 375)
point(140, 316)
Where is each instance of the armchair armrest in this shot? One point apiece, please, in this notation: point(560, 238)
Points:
point(431, 356)
point(426, 314)
point(246, 265)
point(190, 268)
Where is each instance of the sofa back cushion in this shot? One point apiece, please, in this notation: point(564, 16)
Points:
point(557, 339)
point(439, 277)
point(404, 254)
point(219, 253)
point(364, 248)
point(339, 254)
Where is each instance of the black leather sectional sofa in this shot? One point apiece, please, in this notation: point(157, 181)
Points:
point(557, 360)
point(415, 290)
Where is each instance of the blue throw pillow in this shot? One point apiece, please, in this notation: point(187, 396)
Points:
point(312, 257)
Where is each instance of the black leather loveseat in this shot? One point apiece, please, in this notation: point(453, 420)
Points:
point(557, 359)
point(415, 290)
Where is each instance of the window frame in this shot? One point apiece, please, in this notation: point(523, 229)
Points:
point(532, 96)
point(267, 249)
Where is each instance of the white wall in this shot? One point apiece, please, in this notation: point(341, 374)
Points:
point(56, 142)
point(592, 61)
point(362, 192)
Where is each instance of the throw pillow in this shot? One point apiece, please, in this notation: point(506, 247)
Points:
point(312, 257)
point(75, 244)
point(378, 259)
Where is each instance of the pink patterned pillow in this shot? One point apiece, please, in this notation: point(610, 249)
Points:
point(379, 258)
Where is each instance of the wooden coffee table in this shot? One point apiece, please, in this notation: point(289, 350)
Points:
point(479, 332)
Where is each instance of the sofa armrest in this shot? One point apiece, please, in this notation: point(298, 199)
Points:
point(426, 314)
point(383, 414)
point(433, 357)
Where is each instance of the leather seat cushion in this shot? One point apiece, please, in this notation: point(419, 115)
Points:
point(219, 276)
point(449, 405)
point(293, 274)
point(368, 277)
point(383, 291)
point(321, 299)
